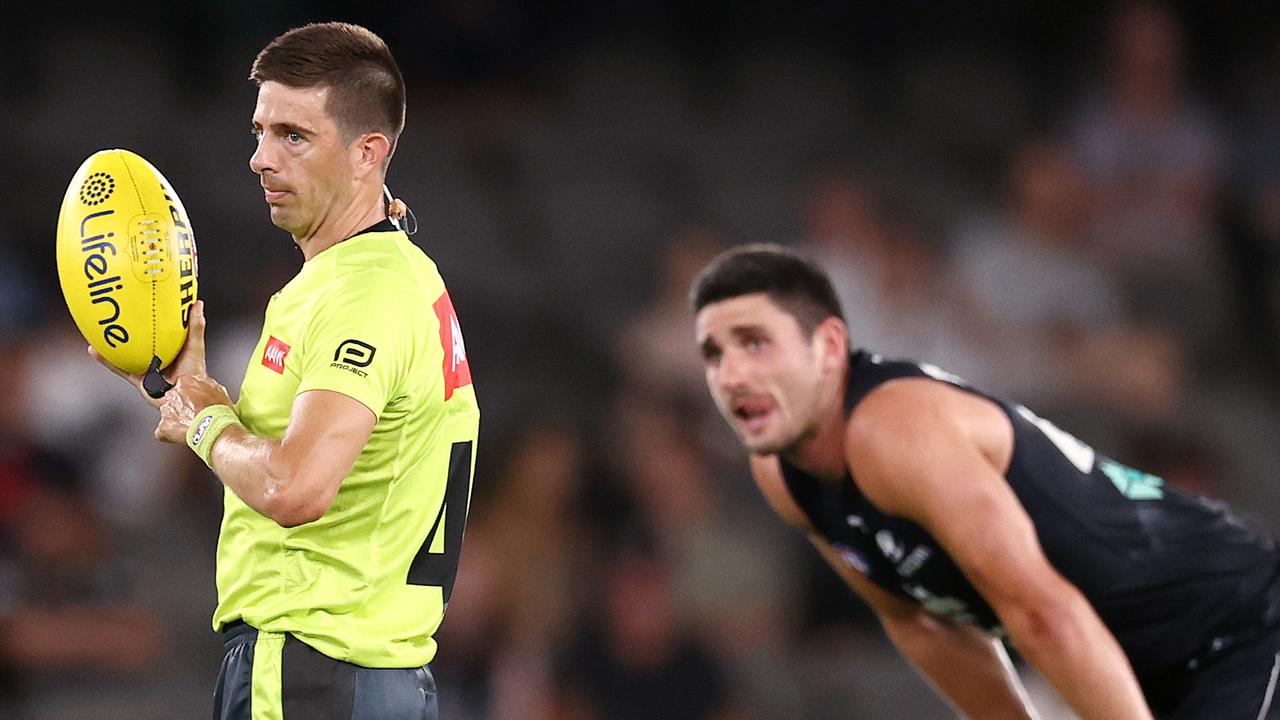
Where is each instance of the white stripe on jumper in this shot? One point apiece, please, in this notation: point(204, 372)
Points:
point(1271, 688)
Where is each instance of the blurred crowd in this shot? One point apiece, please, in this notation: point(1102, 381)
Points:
point(1085, 219)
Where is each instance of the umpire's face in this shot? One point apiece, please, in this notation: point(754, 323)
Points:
point(766, 374)
point(306, 171)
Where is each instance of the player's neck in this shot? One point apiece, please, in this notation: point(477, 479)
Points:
point(365, 212)
point(821, 452)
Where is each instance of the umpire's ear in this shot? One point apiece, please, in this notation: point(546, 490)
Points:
point(831, 343)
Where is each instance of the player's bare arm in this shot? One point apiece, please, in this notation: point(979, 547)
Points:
point(967, 667)
point(925, 452)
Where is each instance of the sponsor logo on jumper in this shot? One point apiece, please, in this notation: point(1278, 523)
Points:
point(274, 354)
point(348, 368)
point(352, 355)
point(457, 369)
point(946, 606)
point(356, 353)
point(914, 561)
point(890, 547)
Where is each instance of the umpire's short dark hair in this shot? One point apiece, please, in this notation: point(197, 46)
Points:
point(366, 90)
point(792, 281)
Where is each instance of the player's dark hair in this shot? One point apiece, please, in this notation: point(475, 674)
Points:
point(792, 281)
point(366, 90)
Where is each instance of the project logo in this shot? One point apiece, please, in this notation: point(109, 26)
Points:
point(356, 353)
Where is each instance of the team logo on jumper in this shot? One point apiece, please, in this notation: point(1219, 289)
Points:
point(275, 353)
point(457, 370)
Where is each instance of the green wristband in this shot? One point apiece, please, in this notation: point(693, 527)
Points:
point(205, 428)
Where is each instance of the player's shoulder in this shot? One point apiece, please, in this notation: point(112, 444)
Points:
point(912, 424)
point(910, 418)
point(901, 404)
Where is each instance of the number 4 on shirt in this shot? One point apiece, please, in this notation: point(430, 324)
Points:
point(440, 569)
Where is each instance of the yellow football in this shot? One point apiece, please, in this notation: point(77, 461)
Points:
point(127, 260)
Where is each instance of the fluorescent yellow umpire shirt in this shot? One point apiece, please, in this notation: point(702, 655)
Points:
point(368, 582)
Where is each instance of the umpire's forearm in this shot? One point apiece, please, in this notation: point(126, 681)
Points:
point(250, 465)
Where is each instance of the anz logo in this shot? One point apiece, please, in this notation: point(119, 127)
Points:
point(275, 355)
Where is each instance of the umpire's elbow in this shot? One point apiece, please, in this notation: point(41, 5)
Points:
point(290, 503)
point(294, 516)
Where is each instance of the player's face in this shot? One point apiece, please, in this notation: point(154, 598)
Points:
point(764, 372)
point(301, 159)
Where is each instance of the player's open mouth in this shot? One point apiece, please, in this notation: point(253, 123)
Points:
point(753, 412)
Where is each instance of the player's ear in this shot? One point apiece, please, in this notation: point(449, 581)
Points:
point(369, 151)
point(831, 339)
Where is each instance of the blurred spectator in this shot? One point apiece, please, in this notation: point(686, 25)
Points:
point(716, 540)
point(76, 409)
point(1187, 463)
point(655, 350)
point(1154, 157)
point(18, 304)
point(1026, 272)
point(635, 660)
point(1061, 330)
point(1252, 217)
point(519, 583)
point(1135, 374)
point(64, 604)
point(844, 227)
point(896, 300)
point(1028, 267)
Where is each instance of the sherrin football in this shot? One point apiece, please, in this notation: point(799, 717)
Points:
point(127, 260)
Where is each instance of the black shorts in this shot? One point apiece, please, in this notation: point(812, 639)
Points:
point(1235, 682)
point(275, 676)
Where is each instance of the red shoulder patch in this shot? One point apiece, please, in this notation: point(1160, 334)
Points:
point(457, 370)
point(274, 354)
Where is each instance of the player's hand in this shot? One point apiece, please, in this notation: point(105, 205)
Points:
point(190, 360)
point(190, 394)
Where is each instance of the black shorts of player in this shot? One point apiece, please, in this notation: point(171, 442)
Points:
point(275, 675)
point(1235, 678)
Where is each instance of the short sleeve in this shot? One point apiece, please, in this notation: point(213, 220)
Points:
point(354, 344)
